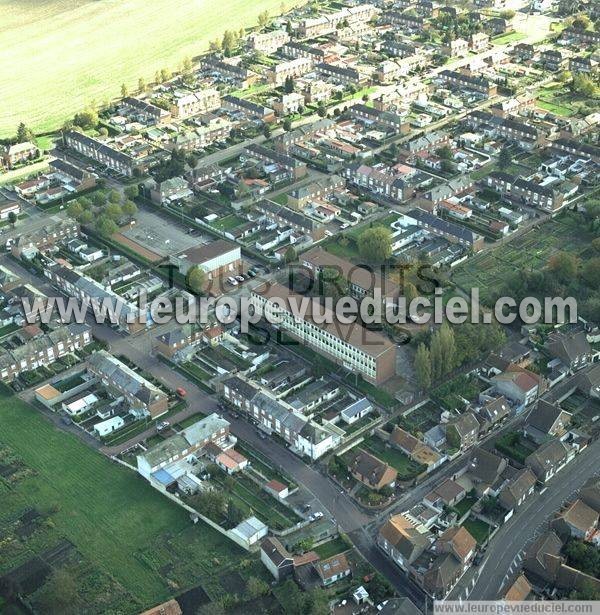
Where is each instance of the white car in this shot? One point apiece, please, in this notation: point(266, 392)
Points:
point(240, 278)
point(232, 281)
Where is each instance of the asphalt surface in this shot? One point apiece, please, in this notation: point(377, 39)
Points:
point(507, 547)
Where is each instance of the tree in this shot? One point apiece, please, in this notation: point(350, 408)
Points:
point(196, 279)
point(255, 587)
point(288, 85)
point(24, 134)
point(131, 192)
point(123, 90)
point(423, 366)
point(187, 65)
point(141, 85)
point(374, 244)
point(211, 504)
point(504, 159)
point(12, 218)
point(448, 347)
point(59, 594)
point(410, 292)
point(584, 85)
point(564, 266)
point(581, 22)
point(234, 514)
point(98, 198)
point(507, 14)
point(75, 210)
point(436, 357)
point(86, 217)
point(591, 272)
point(263, 19)
point(228, 42)
point(287, 124)
point(86, 119)
point(445, 152)
point(129, 209)
point(105, 226)
point(564, 76)
point(321, 110)
point(290, 255)
point(266, 131)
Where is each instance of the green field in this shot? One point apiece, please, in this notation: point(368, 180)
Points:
point(60, 55)
point(114, 519)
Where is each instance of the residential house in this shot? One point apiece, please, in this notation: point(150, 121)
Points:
point(549, 459)
point(276, 558)
point(485, 469)
point(465, 81)
point(571, 347)
point(576, 520)
point(519, 385)
point(520, 590)
point(547, 421)
point(371, 471)
point(333, 569)
point(403, 540)
point(447, 493)
point(463, 431)
point(248, 108)
point(139, 392)
point(12, 155)
point(517, 489)
point(216, 259)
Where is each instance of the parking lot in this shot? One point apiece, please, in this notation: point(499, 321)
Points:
point(154, 233)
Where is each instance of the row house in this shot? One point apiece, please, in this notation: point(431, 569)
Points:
point(18, 153)
point(40, 240)
point(166, 461)
point(284, 217)
point(525, 191)
point(317, 91)
point(287, 140)
point(552, 60)
point(339, 74)
point(458, 80)
point(425, 143)
point(577, 148)
point(396, 47)
point(237, 73)
point(370, 115)
point(479, 42)
point(583, 66)
point(216, 129)
point(139, 392)
point(202, 101)
point(294, 167)
point(526, 136)
point(378, 180)
point(128, 316)
point(328, 23)
point(406, 22)
point(248, 108)
point(144, 111)
point(276, 416)
point(454, 233)
point(295, 49)
point(582, 38)
point(524, 52)
point(456, 47)
point(390, 71)
point(289, 69)
point(43, 349)
point(402, 95)
point(268, 42)
point(320, 189)
point(104, 154)
point(168, 344)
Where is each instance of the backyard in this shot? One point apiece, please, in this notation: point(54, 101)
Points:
point(406, 468)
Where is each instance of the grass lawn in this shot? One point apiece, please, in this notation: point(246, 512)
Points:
point(94, 47)
point(331, 548)
point(113, 517)
point(510, 37)
point(514, 445)
point(478, 529)
point(8, 329)
point(228, 222)
point(465, 505)
point(406, 468)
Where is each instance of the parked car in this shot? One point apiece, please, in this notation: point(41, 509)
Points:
point(181, 392)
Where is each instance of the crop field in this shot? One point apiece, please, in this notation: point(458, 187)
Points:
point(58, 56)
point(117, 523)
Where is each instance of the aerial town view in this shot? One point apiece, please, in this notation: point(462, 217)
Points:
point(299, 307)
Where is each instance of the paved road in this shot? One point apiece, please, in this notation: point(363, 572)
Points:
point(508, 545)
